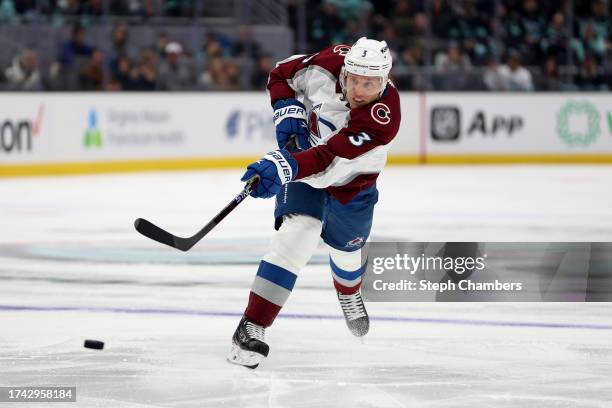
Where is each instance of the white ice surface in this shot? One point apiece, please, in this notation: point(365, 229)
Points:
point(72, 267)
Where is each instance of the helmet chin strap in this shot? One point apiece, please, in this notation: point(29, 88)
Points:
point(343, 76)
point(383, 85)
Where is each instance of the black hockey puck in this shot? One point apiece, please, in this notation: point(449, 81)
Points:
point(94, 344)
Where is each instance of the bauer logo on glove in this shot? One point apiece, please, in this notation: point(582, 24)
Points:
point(284, 170)
point(290, 112)
point(275, 169)
point(290, 121)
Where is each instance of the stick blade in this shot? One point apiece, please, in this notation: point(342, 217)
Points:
point(152, 231)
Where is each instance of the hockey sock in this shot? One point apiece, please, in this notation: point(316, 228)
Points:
point(290, 249)
point(346, 270)
point(271, 289)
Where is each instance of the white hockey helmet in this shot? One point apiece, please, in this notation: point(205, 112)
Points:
point(368, 58)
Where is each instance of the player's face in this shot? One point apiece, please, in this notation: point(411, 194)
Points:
point(362, 90)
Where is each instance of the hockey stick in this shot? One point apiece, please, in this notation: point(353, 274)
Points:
point(152, 231)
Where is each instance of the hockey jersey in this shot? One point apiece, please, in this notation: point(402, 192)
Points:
point(349, 146)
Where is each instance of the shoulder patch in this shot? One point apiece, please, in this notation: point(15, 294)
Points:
point(341, 49)
point(381, 113)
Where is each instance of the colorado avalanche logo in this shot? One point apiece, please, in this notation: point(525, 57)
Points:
point(341, 49)
point(314, 125)
point(354, 242)
point(319, 127)
point(381, 113)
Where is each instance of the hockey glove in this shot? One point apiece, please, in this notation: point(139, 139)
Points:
point(290, 120)
point(274, 169)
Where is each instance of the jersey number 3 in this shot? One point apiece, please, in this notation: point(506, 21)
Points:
point(357, 140)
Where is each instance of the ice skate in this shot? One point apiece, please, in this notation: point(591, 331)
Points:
point(355, 313)
point(248, 346)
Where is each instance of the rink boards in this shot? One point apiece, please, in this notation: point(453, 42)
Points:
point(43, 133)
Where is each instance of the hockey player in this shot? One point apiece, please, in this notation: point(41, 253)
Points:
point(342, 112)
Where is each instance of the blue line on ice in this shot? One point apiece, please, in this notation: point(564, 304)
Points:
point(470, 322)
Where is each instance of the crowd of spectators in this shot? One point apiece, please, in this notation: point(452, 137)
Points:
point(505, 45)
point(34, 10)
point(164, 65)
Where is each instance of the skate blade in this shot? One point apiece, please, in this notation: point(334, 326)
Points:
point(244, 358)
point(359, 328)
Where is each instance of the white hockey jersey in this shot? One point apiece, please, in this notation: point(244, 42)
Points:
point(349, 145)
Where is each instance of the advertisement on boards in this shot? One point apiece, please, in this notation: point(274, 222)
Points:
point(501, 124)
